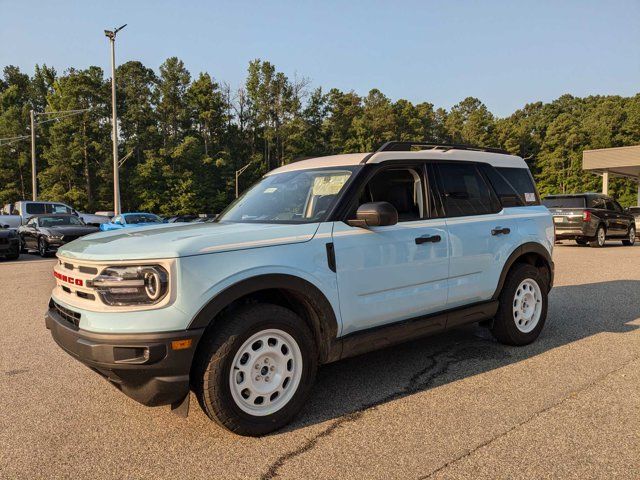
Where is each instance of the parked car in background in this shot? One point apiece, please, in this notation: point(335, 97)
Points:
point(590, 218)
point(181, 219)
point(16, 214)
point(107, 213)
point(46, 233)
point(9, 243)
point(635, 211)
point(94, 219)
point(129, 220)
point(322, 259)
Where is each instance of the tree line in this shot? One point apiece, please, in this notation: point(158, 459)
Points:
point(184, 137)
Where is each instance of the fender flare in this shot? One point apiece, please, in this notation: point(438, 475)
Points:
point(325, 323)
point(525, 248)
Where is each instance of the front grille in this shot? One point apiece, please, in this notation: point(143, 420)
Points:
point(69, 316)
point(69, 238)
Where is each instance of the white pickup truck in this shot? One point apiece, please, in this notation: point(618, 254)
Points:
point(16, 214)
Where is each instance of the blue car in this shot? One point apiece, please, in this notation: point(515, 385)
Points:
point(128, 220)
point(322, 259)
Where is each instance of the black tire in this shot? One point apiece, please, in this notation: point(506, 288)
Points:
point(631, 237)
point(214, 360)
point(13, 256)
point(581, 241)
point(42, 247)
point(599, 240)
point(504, 327)
point(21, 248)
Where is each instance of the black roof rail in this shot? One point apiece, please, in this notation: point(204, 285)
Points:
point(396, 146)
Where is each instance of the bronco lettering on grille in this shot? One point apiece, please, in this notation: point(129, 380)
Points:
point(67, 279)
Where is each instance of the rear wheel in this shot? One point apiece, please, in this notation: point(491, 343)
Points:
point(631, 238)
point(255, 372)
point(523, 306)
point(599, 239)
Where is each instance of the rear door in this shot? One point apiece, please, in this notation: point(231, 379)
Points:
point(481, 234)
point(391, 273)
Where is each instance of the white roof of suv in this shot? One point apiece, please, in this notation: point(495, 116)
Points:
point(452, 154)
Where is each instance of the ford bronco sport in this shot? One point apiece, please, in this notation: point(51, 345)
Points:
point(322, 259)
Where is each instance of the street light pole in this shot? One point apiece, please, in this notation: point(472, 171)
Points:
point(116, 177)
point(34, 182)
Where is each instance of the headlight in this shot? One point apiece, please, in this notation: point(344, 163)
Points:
point(131, 285)
point(54, 236)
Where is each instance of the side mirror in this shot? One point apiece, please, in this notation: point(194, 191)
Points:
point(375, 214)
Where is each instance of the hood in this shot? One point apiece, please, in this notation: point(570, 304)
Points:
point(180, 240)
point(70, 230)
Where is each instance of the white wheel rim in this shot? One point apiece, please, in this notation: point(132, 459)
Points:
point(632, 235)
point(527, 305)
point(265, 372)
point(601, 236)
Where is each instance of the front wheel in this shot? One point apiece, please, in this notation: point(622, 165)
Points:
point(631, 238)
point(254, 373)
point(523, 306)
point(599, 239)
point(42, 247)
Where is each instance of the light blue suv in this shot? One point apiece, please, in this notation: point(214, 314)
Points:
point(320, 260)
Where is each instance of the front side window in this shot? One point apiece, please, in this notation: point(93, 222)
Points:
point(136, 218)
point(464, 192)
point(303, 196)
point(59, 221)
point(401, 187)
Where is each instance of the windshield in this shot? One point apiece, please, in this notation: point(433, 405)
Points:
point(564, 202)
point(303, 196)
point(58, 221)
point(143, 218)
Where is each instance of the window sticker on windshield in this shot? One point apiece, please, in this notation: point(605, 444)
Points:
point(529, 197)
point(329, 184)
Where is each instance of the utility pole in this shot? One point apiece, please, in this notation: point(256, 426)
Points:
point(34, 182)
point(238, 173)
point(116, 178)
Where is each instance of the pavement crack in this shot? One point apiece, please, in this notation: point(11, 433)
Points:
point(528, 419)
point(438, 364)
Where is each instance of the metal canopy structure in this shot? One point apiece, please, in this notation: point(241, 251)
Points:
point(617, 162)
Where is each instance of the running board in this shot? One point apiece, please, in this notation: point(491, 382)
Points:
point(387, 335)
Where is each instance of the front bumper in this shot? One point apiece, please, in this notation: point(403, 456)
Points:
point(144, 367)
point(9, 246)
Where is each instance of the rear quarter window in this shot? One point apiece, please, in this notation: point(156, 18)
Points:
point(521, 181)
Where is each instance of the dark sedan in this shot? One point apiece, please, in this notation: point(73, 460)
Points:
point(9, 248)
point(45, 233)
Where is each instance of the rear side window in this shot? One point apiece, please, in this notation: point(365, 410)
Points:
point(464, 190)
point(521, 181)
point(506, 192)
point(598, 202)
point(36, 208)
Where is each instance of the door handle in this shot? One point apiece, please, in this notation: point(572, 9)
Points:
point(501, 231)
point(428, 239)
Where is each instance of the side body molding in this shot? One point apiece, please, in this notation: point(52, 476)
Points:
point(318, 309)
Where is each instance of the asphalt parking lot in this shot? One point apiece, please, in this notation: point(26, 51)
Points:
point(457, 405)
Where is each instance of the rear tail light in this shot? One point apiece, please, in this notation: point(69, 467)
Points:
point(586, 216)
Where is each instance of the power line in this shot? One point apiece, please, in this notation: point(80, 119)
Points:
point(8, 141)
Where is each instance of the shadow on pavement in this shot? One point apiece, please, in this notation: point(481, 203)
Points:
point(348, 388)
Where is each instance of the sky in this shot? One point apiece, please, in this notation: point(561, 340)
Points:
point(506, 53)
